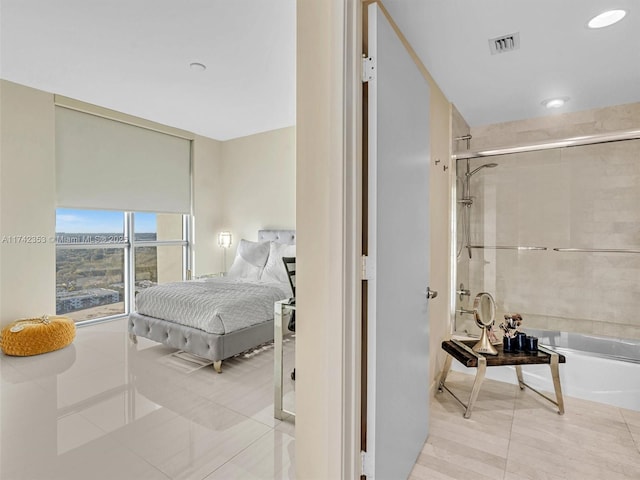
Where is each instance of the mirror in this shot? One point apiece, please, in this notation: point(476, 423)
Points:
point(484, 308)
point(484, 311)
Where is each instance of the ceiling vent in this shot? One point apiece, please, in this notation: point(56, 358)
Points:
point(504, 44)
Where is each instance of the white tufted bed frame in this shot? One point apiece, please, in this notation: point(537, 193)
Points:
point(209, 345)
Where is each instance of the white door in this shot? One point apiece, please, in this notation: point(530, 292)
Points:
point(398, 328)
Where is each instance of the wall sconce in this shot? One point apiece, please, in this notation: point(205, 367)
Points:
point(224, 239)
point(224, 242)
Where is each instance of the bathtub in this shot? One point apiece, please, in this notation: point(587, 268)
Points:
point(605, 370)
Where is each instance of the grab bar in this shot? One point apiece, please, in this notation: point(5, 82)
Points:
point(507, 247)
point(596, 250)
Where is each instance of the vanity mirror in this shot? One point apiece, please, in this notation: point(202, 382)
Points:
point(484, 311)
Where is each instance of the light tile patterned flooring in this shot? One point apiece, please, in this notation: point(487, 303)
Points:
point(514, 434)
point(101, 409)
point(104, 409)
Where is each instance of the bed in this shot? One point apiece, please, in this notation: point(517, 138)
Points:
point(217, 318)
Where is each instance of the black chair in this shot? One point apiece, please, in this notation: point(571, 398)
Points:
point(290, 267)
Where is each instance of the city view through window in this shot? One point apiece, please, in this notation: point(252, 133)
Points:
point(91, 252)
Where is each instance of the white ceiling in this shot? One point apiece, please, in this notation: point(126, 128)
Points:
point(558, 56)
point(134, 56)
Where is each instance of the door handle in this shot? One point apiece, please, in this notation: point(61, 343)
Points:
point(431, 294)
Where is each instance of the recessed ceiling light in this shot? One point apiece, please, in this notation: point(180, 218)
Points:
point(197, 66)
point(606, 18)
point(555, 102)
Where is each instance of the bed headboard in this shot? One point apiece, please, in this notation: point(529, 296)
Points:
point(281, 236)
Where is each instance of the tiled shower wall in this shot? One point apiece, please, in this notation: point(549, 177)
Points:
point(579, 197)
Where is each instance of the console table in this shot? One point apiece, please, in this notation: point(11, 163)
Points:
point(461, 351)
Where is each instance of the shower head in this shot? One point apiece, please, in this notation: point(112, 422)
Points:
point(486, 165)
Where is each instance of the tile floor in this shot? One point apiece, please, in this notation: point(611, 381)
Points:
point(102, 409)
point(514, 434)
point(105, 409)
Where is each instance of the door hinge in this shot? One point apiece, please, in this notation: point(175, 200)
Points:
point(368, 68)
point(368, 268)
point(366, 464)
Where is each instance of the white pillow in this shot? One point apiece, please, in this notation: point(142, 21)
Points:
point(250, 260)
point(274, 270)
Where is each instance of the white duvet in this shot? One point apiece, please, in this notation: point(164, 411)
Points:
point(215, 305)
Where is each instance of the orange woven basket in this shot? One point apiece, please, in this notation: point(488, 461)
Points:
point(33, 336)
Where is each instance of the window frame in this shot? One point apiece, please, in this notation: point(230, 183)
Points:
point(129, 245)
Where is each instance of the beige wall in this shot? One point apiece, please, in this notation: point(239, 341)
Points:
point(322, 351)
point(27, 205)
point(240, 185)
point(598, 120)
point(259, 187)
point(208, 202)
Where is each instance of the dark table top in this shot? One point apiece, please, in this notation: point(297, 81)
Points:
point(503, 358)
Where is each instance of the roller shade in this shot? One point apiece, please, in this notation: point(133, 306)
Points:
point(106, 164)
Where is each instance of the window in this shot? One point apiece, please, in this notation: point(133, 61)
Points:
point(103, 258)
point(160, 249)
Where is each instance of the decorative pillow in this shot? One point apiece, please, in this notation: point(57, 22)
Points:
point(250, 260)
point(274, 270)
point(34, 336)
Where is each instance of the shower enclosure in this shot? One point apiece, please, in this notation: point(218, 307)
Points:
point(553, 233)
